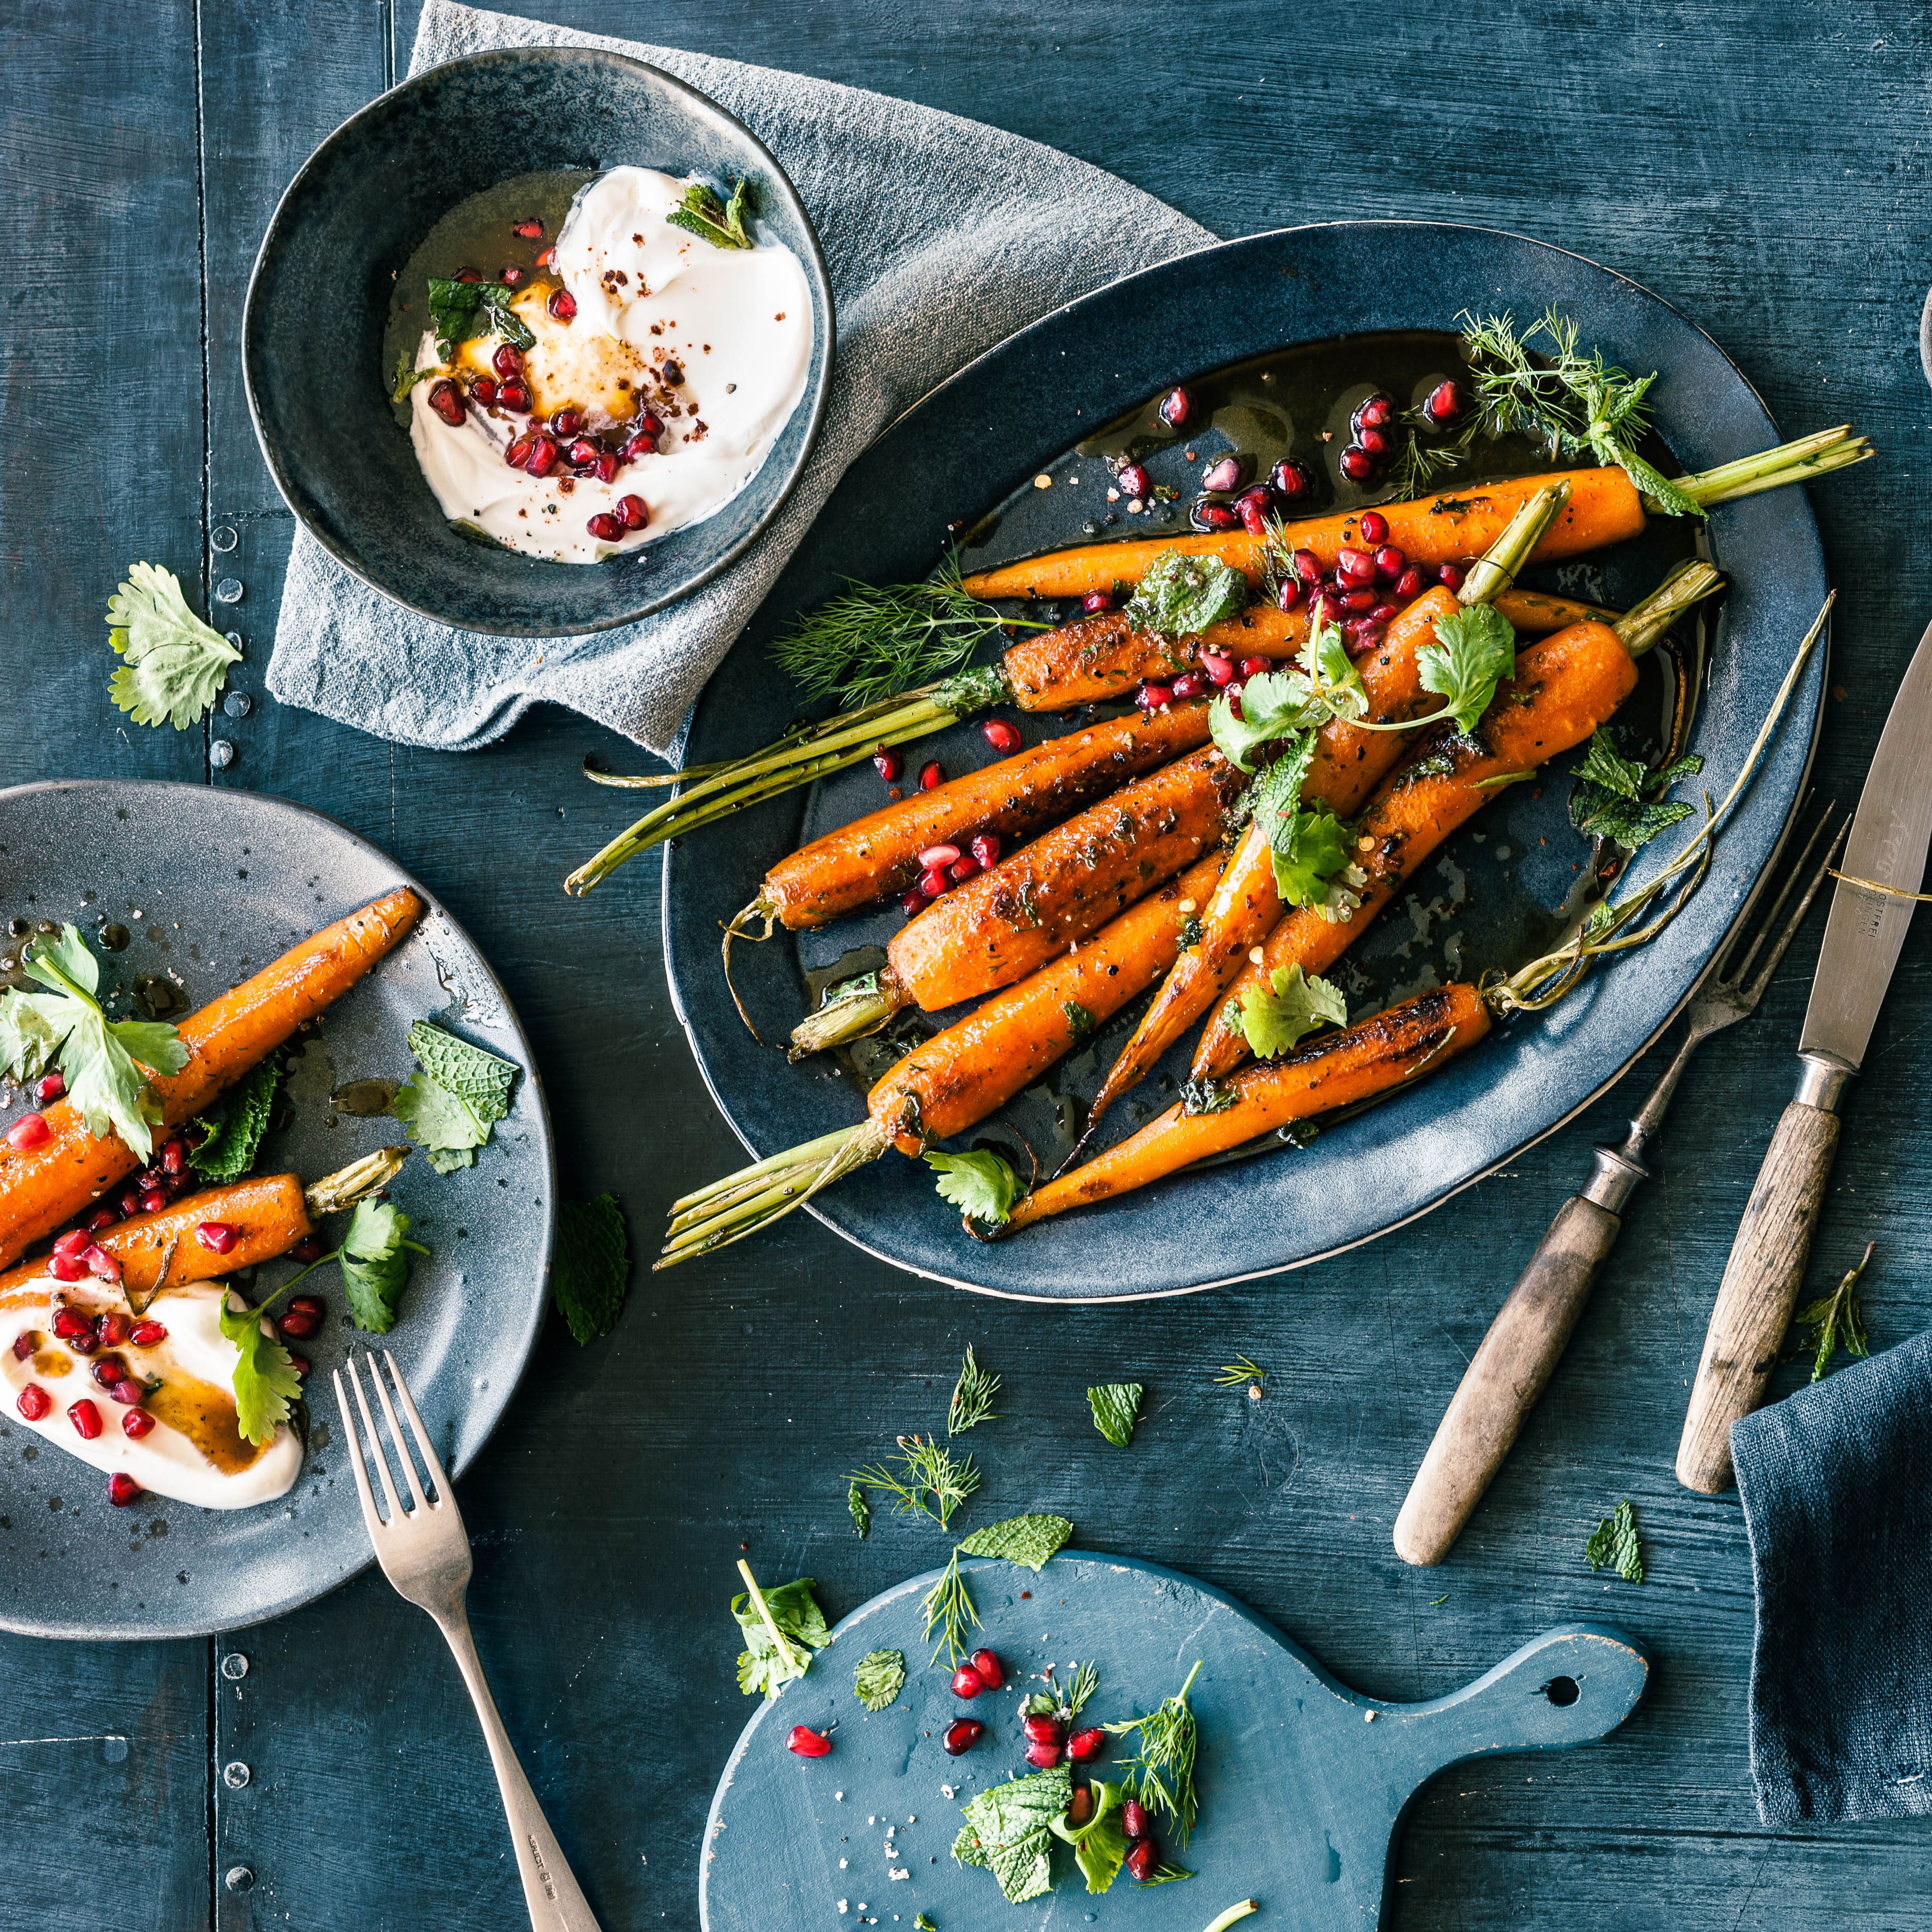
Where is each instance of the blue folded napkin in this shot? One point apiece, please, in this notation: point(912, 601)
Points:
point(942, 237)
point(1837, 1486)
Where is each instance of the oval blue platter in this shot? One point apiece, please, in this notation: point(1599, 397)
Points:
point(212, 885)
point(971, 449)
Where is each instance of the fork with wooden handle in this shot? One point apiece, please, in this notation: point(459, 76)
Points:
point(1527, 1338)
point(425, 1554)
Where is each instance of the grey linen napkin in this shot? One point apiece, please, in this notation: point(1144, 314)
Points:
point(942, 236)
point(1837, 1486)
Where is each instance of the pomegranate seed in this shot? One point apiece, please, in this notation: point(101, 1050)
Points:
point(1080, 1806)
point(70, 1323)
point(1133, 479)
point(1361, 600)
point(931, 776)
point(308, 1249)
point(128, 1393)
point(887, 764)
point(149, 1335)
point(1095, 602)
point(1308, 566)
point(646, 426)
point(108, 1370)
point(1254, 666)
point(1233, 695)
point(122, 1490)
point(515, 397)
point(1042, 1730)
point(1376, 413)
point(963, 1735)
point(508, 360)
point(29, 1132)
point(1219, 670)
point(986, 848)
point(1444, 404)
point(634, 512)
point(1253, 506)
point(963, 869)
point(542, 458)
point(1189, 684)
point(563, 306)
point(101, 1217)
point(1289, 595)
point(1363, 634)
point(1410, 584)
point(992, 1672)
point(518, 453)
point(1208, 516)
point(807, 1742)
point(446, 398)
point(1292, 479)
point(1450, 576)
point(24, 1343)
point(136, 1423)
point(67, 1268)
point(934, 882)
point(1134, 1819)
point(113, 1329)
point(510, 275)
point(939, 855)
point(1389, 563)
point(1176, 407)
point(1043, 1756)
point(33, 1402)
point(531, 230)
point(299, 1363)
point(583, 453)
point(153, 1200)
point(296, 1327)
point(1354, 566)
point(1375, 527)
point(1357, 465)
point(1152, 697)
point(468, 275)
point(51, 1088)
point(1085, 1745)
point(85, 1418)
point(608, 465)
point(308, 1304)
point(1225, 473)
point(606, 528)
point(967, 1682)
point(101, 1264)
point(1142, 1859)
point(174, 1157)
point(75, 1241)
point(546, 257)
point(566, 422)
point(1373, 443)
point(83, 1345)
point(1002, 735)
point(130, 1201)
point(913, 903)
point(217, 1237)
point(1385, 613)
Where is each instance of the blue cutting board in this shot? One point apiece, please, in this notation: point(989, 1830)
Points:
point(1302, 1783)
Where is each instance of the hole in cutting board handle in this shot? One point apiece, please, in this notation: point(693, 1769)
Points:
point(1561, 1691)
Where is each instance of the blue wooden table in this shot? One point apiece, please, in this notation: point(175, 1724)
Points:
point(1763, 166)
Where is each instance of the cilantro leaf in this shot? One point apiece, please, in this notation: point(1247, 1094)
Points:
point(1180, 595)
point(264, 1379)
point(32, 1026)
point(590, 1272)
point(1328, 667)
point(482, 1079)
point(879, 1678)
point(176, 663)
point(1274, 1021)
point(228, 1150)
point(375, 1263)
point(701, 213)
point(981, 1185)
point(1474, 651)
point(1273, 704)
point(1009, 1831)
point(1607, 801)
point(1311, 853)
point(1100, 1845)
point(1115, 1407)
point(1028, 1540)
point(1613, 1544)
point(801, 1622)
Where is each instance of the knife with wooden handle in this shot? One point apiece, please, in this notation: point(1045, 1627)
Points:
point(1883, 868)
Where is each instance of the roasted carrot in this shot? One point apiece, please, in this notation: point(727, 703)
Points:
point(49, 1184)
point(1355, 1064)
point(950, 1083)
point(1011, 920)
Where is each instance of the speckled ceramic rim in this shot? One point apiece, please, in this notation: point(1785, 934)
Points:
point(1108, 299)
point(524, 1342)
point(821, 291)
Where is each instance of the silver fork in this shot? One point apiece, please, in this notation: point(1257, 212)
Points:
point(425, 1554)
point(1533, 1326)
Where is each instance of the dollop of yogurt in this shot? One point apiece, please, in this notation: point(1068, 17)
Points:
point(714, 343)
point(195, 1453)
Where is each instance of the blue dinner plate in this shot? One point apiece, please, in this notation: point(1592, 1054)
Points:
point(972, 448)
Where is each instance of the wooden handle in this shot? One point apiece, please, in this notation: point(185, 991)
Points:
point(1502, 1385)
point(1759, 1292)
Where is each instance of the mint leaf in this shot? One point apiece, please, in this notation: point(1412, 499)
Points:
point(407, 376)
point(457, 310)
point(981, 1185)
point(879, 1678)
point(1613, 1545)
point(264, 1379)
point(800, 1621)
point(1607, 801)
point(482, 1079)
point(590, 1272)
point(1115, 1406)
point(176, 663)
point(374, 1259)
point(1274, 1021)
point(857, 1501)
point(1474, 651)
point(1030, 1540)
point(1100, 1845)
point(443, 1124)
point(1009, 1831)
point(1180, 595)
point(229, 1150)
point(702, 214)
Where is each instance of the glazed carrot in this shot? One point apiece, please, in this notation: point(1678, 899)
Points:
point(1010, 921)
point(1356, 1063)
point(49, 1184)
point(879, 854)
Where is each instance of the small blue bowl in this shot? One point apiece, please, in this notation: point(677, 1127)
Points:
point(319, 299)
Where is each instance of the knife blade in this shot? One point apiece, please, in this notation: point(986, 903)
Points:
point(1884, 857)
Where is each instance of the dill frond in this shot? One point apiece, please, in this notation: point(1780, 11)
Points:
point(973, 1395)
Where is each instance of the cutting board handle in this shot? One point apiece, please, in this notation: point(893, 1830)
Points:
point(1571, 1685)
